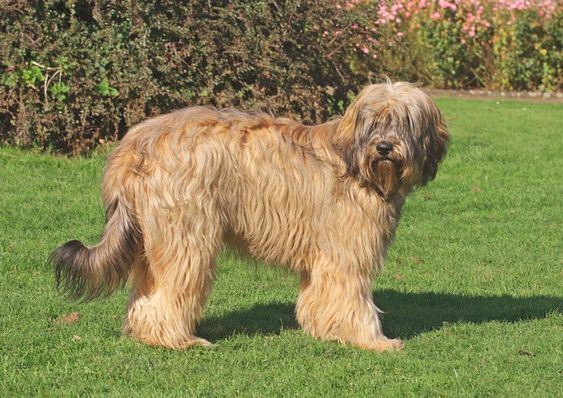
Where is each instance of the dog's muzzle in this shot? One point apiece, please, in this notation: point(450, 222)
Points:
point(384, 148)
point(386, 169)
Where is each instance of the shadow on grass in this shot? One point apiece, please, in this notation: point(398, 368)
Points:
point(264, 319)
point(406, 314)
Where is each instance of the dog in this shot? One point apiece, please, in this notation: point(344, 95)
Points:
point(322, 200)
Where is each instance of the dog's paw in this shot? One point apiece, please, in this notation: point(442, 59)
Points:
point(194, 342)
point(385, 345)
point(181, 344)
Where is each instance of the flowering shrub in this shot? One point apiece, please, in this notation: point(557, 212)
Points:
point(499, 44)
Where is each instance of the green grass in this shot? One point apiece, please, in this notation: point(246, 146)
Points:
point(473, 284)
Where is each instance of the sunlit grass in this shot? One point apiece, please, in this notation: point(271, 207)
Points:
point(473, 284)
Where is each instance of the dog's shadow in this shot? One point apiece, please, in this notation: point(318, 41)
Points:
point(406, 314)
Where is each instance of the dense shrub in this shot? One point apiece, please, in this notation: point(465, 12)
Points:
point(498, 44)
point(76, 73)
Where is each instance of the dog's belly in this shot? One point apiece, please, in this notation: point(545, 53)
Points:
point(237, 243)
point(239, 246)
point(282, 243)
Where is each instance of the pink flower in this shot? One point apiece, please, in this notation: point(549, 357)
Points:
point(351, 3)
point(444, 4)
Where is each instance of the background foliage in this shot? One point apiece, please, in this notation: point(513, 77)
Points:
point(77, 73)
point(498, 44)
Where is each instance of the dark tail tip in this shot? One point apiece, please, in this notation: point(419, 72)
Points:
point(71, 263)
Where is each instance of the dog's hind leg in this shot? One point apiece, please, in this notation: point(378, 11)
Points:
point(169, 293)
point(335, 303)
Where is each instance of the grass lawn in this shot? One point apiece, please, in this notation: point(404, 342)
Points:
point(473, 283)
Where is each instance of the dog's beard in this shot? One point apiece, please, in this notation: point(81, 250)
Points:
point(386, 176)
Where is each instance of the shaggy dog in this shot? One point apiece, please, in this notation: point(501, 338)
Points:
point(322, 200)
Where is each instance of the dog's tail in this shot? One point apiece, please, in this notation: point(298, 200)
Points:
point(90, 272)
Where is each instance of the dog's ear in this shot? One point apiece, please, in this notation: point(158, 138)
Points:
point(352, 138)
point(435, 143)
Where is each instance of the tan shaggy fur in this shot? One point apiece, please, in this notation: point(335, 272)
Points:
point(322, 200)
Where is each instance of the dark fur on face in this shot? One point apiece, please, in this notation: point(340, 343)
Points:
point(400, 138)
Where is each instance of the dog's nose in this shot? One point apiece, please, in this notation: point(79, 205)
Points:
point(384, 147)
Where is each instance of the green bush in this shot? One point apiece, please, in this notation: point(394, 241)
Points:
point(462, 44)
point(78, 73)
point(529, 53)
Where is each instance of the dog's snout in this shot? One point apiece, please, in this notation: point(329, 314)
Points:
point(384, 147)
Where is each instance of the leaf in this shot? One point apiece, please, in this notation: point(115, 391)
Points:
point(10, 80)
point(526, 353)
point(69, 318)
point(59, 90)
point(32, 75)
point(105, 89)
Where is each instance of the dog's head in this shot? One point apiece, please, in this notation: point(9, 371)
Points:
point(392, 137)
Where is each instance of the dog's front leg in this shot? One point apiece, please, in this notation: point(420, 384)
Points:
point(336, 303)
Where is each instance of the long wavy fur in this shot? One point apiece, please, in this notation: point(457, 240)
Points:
point(321, 200)
point(88, 273)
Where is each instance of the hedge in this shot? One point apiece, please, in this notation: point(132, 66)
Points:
point(75, 74)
